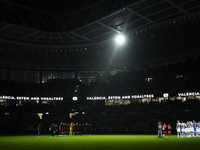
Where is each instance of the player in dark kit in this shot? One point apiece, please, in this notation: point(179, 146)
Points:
point(89, 128)
point(83, 129)
point(67, 128)
point(169, 129)
point(86, 128)
point(61, 128)
point(39, 129)
point(64, 128)
point(52, 129)
point(164, 129)
point(79, 129)
point(75, 129)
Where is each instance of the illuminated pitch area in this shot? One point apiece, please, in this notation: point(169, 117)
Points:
point(97, 142)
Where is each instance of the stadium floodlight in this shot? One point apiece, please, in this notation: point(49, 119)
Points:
point(74, 98)
point(120, 39)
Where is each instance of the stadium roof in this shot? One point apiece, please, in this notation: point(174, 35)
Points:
point(34, 35)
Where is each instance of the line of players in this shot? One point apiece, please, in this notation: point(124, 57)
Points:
point(74, 128)
point(188, 129)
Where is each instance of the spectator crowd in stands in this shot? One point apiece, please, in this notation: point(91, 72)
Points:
point(170, 78)
point(134, 118)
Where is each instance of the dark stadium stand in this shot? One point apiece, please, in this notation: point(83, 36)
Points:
point(132, 118)
point(170, 78)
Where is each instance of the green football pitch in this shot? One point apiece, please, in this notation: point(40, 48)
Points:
point(97, 142)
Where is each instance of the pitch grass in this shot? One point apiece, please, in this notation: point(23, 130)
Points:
point(97, 142)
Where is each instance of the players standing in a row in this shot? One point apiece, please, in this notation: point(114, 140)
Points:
point(76, 129)
point(188, 129)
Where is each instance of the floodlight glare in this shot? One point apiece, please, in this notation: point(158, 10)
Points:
point(120, 39)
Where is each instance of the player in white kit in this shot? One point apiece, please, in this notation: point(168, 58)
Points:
point(187, 130)
point(183, 126)
point(178, 128)
point(198, 128)
point(191, 129)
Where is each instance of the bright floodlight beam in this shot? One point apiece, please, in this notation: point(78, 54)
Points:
point(120, 39)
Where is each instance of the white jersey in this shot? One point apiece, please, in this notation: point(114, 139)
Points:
point(191, 127)
point(178, 125)
point(183, 127)
point(198, 127)
point(187, 127)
